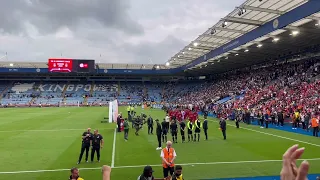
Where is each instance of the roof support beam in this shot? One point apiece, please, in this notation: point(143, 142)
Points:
point(204, 48)
point(194, 50)
point(242, 21)
point(192, 53)
point(229, 30)
point(183, 57)
point(211, 43)
point(188, 56)
point(198, 50)
point(262, 10)
point(217, 37)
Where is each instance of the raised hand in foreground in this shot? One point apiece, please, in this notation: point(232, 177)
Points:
point(290, 171)
point(106, 171)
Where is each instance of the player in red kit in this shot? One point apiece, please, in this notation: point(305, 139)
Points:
point(176, 113)
point(179, 116)
point(195, 116)
point(187, 114)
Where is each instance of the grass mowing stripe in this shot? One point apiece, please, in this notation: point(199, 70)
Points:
point(157, 165)
point(304, 142)
point(114, 147)
point(46, 130)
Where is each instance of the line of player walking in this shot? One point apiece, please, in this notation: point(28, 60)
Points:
point(193, 130)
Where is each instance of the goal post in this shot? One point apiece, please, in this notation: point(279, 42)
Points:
point(113, 111)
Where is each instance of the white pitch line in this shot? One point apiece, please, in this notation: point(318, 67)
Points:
point(47, 130)
point(304, 142)
point(156, 165)
point(114, 147)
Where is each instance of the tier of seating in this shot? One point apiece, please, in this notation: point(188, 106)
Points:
point(131, 92)
point(18, 93)
point(281, 86)
point(102, 93)
point(50, 93)
point(55, 93)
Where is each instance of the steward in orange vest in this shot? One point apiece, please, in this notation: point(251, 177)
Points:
point(315, 126)
point(168, 155)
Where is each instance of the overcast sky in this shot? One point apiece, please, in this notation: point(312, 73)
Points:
point(122, 31)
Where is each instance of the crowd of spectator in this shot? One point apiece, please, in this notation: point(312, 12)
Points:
point(283, 87)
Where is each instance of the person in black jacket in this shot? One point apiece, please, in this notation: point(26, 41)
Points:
point(174, 131)
point(119, 123)
point(150, 125)
point(86, 143)
point(238, 118)
point(159, 134)
point(197, 131)
point(205, 127)
point(182, 129)
point(273, 118)
point(247, 116)
point(165, 128)
point(280, 118)
point(223, 127)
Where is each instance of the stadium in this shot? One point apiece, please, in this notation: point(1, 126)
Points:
point(257, 63)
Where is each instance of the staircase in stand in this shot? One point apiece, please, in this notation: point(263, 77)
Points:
point(91, 90)
point(119, 89)
point(64, 92)
point(35, 98)
point(5, 91)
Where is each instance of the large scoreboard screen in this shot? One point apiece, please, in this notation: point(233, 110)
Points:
point(71, 65)
point(60, 65)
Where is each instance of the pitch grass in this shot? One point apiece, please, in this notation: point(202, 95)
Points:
point(22, 148)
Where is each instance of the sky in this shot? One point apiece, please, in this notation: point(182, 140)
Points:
point(109, 31)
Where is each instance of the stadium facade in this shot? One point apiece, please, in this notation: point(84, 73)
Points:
point(284, 33)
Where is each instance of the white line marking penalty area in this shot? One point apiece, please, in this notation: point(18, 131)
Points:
point(157, 165)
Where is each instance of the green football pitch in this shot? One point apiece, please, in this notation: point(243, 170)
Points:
point(44, 143)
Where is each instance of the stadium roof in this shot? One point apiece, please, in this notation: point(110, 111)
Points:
point(245, 18)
